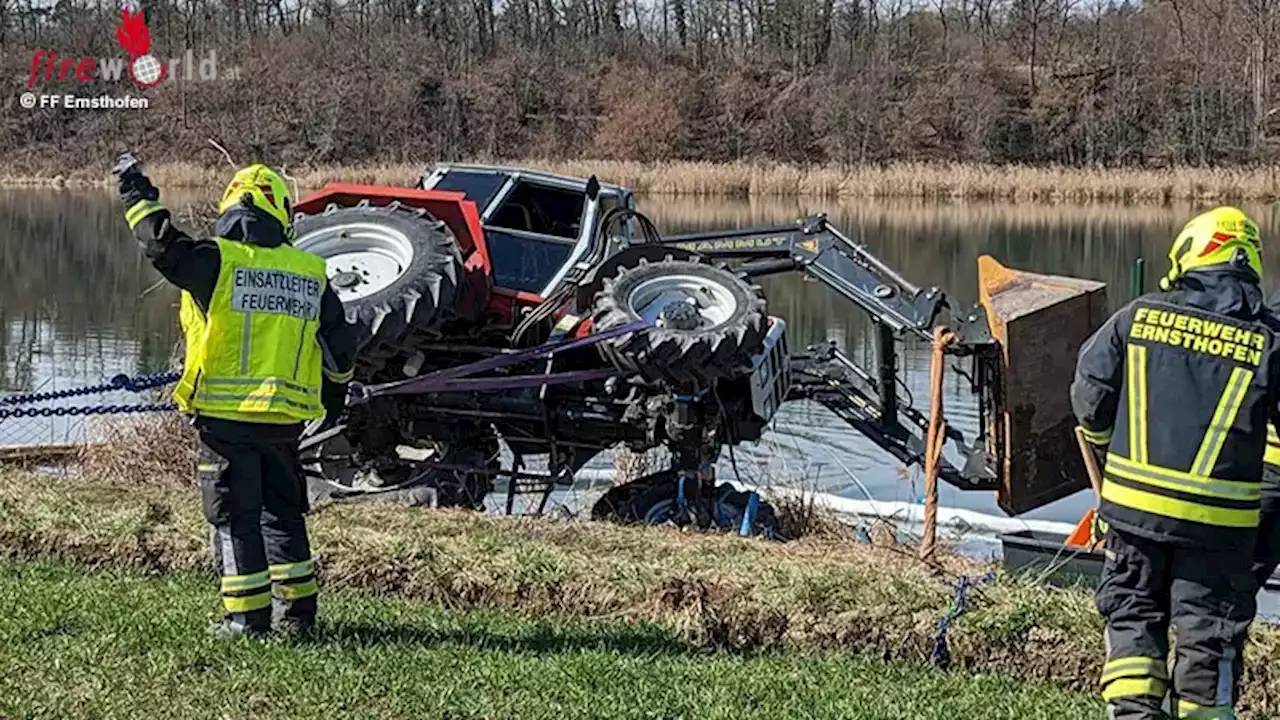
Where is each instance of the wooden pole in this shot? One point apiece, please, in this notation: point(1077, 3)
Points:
point(1090, 462)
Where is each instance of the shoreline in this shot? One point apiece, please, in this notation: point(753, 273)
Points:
point(921, 181)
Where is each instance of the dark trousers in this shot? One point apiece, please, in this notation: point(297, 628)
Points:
point(254, 498)
point(1207, 595)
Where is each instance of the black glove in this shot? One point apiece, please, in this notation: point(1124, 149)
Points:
point(134, 186)
point(333, 396)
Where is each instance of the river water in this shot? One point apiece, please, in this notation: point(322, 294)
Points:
point(78, 304)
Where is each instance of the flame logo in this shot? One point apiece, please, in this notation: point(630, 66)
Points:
point(132, 33)
point(135, 38)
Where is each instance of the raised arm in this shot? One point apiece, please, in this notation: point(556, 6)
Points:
point(188, 263)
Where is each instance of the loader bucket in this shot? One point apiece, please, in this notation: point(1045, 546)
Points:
point(1039, 323)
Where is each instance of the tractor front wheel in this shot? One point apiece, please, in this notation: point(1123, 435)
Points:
point(705, 321)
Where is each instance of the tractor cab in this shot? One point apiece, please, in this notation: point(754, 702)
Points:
point(537, 226)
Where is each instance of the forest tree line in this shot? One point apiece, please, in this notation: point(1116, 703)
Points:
point(1099, 84)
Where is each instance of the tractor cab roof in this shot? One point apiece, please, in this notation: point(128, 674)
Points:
point(508, 172)
point(481, 183)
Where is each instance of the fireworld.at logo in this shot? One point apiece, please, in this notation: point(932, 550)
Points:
point(143, 68)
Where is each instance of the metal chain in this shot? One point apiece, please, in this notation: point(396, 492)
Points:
point(119, 382)
point(86, 410)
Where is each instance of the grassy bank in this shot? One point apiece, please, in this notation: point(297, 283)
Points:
point(713, 593)
point(1008, 183)
point(121, 645)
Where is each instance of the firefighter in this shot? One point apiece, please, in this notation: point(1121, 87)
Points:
point(1179, 386)
point(268, 349)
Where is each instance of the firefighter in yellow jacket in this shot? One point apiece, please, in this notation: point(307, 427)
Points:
point(268, 349)
point(1179, 387)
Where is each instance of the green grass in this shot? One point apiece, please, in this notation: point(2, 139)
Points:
point(716, 592)
point(708, 593)
point(119, 644)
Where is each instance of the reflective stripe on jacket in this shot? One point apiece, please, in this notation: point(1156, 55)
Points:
point(1273, 446)
point(254, 356)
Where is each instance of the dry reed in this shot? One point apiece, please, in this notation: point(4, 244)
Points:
point(805, 515)
point(906, 213)
point(1008, 183)
point(157, 450)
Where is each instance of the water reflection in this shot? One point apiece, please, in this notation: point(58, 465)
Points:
point(72, 309)
point(75, 309)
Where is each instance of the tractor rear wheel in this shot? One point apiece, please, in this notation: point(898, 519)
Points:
point(706, 321)
point(396, 270)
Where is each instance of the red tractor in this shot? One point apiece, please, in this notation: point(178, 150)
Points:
point(499, 306)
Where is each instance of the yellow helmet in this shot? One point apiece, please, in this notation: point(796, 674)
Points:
point(1214, 238)
point(261, 187)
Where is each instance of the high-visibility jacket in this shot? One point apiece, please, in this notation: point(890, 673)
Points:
point(1185, 450)
point(253, 355)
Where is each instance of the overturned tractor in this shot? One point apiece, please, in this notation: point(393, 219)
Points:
point(503, 307)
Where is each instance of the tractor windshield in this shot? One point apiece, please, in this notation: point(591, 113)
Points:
point(532, 234)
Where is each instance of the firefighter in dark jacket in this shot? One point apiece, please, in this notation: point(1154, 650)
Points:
point(268, 349)
point(1179, 387)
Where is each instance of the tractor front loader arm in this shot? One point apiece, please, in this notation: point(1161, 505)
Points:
point(823, 252)
point(1022, 338)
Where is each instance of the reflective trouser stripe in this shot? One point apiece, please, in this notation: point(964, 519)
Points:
point(1188, 709)
point(1136, 666)
point(1133, 687)
point(287, 571)
point(1137, 382)
point(246, 593)
point(294, 581)
point(140, 210)
point(247, 603)
point(1134, 676)
point(297, 591)
point(237, 583)
point(1223, 418)
point(1096, 437)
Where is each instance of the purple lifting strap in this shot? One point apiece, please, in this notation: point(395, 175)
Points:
point(449, 379)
